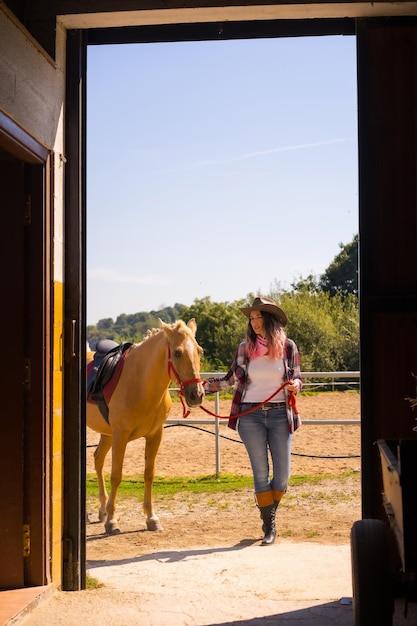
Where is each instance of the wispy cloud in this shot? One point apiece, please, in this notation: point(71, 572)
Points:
point(107, 274)
point(253, 155)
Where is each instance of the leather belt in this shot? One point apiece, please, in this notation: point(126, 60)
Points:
point(267, 406)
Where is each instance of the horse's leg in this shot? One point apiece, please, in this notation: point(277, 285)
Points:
point(151, 449)
point(100, 453)
point(120, 440)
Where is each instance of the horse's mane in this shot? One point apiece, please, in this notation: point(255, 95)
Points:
point(178, 325)
point(150, 332)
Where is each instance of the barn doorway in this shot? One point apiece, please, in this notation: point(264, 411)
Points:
point(76, 215)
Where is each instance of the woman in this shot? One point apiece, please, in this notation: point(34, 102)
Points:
point(266, 367)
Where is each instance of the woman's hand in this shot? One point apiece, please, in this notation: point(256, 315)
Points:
point(293, 386)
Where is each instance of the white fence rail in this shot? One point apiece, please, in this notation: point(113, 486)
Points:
point(333, 379)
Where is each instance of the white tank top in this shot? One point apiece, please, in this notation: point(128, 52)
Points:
point(265, 377)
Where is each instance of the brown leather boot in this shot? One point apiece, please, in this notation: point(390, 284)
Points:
point(277, 496)
point(267, 507)
point(268, 517)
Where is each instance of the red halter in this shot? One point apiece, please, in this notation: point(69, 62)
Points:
point(171, 370)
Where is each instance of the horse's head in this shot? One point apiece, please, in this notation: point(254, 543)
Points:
point(184, 359)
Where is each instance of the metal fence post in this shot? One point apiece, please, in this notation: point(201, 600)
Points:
point(217, 438)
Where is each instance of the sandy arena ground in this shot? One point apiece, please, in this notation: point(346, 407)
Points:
point(321, 512)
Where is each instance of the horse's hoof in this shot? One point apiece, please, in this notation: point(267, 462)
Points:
point(154, 524)
point(112, 528)
point(102, 516)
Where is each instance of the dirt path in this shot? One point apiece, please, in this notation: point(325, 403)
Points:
point(206, 567)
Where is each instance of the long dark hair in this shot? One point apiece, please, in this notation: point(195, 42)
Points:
point(274, 334)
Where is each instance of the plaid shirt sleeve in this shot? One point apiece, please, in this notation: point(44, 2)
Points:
point(293, 372)
point(293, 363)
point(236, 377)
point(236, 373)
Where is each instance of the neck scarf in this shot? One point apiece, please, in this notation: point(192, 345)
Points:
point(261, 347)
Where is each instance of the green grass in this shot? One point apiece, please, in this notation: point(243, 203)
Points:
point(225, 483)
point(225, 395)
point(321, 392)
point(316, 480)
point(171, 486)
point(92, 583)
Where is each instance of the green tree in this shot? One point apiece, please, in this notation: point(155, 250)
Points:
point(324, 327)
point(324, 322)
point(346, 319)
point(220, 328)
point(105, 324)
point(311, 284)
point(342, 274)
point(132, 327)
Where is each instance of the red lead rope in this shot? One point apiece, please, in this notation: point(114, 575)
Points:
point(186, 412)
point(291, 402)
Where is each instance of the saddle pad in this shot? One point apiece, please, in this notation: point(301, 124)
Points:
point(111, 385)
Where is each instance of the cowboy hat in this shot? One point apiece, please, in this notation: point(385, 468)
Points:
point(265, 304)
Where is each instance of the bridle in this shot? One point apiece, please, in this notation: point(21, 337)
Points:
point(172, 373)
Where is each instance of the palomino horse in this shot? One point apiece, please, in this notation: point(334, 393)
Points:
point(140, 405)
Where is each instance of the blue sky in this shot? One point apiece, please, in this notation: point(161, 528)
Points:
point(216, 168)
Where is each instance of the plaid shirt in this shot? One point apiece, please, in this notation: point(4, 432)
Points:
point(237, 377)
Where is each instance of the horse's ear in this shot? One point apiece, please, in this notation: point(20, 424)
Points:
point(192, 325)
point(163, 325)
point(167, 328)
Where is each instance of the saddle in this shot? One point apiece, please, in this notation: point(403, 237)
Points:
point(102, 369)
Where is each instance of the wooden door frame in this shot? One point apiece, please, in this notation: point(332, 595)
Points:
point(37, 324)
point(17, 141)
point(74, 427)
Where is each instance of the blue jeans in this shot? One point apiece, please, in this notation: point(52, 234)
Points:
point(262, 430)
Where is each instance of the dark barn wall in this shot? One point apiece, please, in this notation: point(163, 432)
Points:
point(387, 122)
